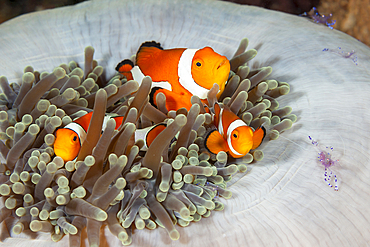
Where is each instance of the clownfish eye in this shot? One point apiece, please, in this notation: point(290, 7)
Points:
point(75, 138)
point(198, 64)
point(235, 135)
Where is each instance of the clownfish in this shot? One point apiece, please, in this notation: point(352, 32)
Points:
point(177, 73)
point(232, 135)
point(68, 140)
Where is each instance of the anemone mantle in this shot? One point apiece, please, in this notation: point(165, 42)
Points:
point(284, 199)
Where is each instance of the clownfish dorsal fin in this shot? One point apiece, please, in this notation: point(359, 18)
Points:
point(147, 52)
point(215, 143)
point(151, 44)
point(258, 136)
point(84, 121)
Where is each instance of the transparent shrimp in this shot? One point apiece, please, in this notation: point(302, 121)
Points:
point(212, 187)
point(316, 17)
point(326, 159)
point(346, 54)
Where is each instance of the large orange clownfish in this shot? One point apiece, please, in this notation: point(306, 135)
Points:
point(178, 73)
point(68, 140)
point(233, 135)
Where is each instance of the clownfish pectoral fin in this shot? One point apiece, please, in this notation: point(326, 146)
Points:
point(217, 109)
point(258, 136)
point(215, 143)
point(174, 101)
point(154, 132)
point(125, 67)
point(147, 52)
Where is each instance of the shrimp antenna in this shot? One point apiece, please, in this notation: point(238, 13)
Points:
point(280, 136)
point(313, 142)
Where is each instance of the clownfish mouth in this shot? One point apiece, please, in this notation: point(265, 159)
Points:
point(58, 149)
point(222, 63)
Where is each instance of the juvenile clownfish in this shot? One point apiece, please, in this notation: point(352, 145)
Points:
point(233, 135)
point(178, 73)
point(68, 140)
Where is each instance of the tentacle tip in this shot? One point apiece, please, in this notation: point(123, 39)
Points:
point(101, 216)
point(174, 234)
point(181, 119)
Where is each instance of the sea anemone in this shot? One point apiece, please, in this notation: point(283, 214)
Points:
point(283, 199)
point(111, 181)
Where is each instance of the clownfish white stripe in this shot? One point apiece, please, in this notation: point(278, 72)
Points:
point(185, 77)
point(105, 120)
point(78, 129)
point(237, 123)
point(220, 126)
point(138, 76)
point(141, 134)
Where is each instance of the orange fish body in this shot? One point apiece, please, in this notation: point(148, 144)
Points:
point(68, 140)
point(233, 135)
point(178, 73)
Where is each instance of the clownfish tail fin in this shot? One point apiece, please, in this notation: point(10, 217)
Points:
point(153, 133)
point(214, 142)
point(124, 67)
point(258, 136)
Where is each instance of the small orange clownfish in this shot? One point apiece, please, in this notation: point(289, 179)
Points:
point(233, 135)
point(68, 140)
point(178, 73)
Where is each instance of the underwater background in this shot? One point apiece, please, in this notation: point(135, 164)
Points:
point(329, 73)
point(350, 15)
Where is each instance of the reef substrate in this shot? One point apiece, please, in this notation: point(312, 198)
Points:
point(112, 182)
